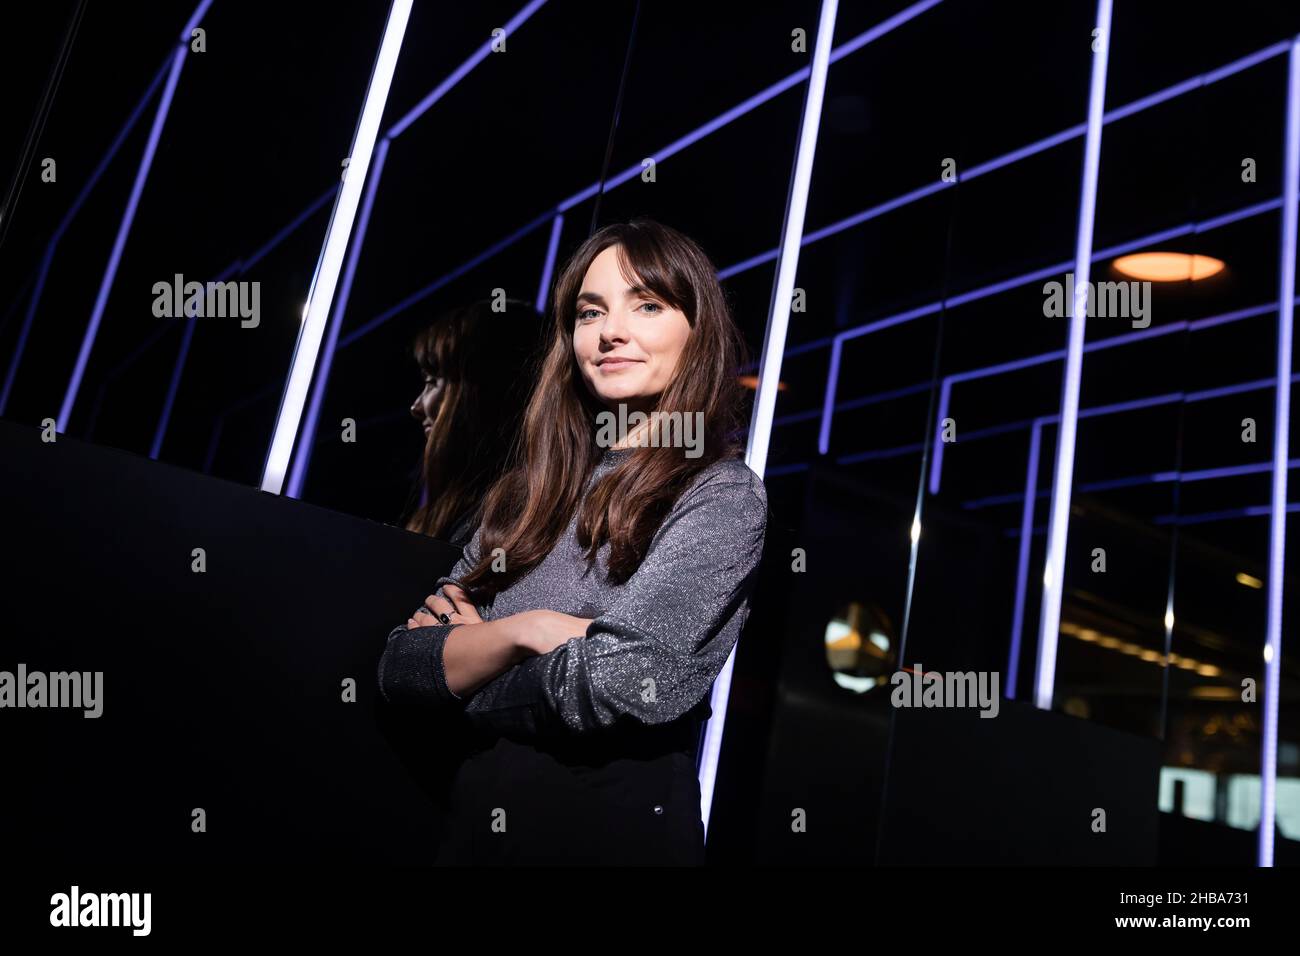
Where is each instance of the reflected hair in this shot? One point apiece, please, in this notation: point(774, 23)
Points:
point(488, 360)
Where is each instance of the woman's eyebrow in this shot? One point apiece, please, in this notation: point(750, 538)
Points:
point(632, 292)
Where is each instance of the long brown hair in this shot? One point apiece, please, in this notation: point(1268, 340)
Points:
point(487, 358)
point(529, 508)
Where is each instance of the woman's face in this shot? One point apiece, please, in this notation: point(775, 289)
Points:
point(425, 405)
point(626, 340)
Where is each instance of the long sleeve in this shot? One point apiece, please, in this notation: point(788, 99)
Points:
point(411, 668)
point(654, 654)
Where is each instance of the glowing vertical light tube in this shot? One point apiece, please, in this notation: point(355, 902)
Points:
point(1059, 523)
point(302, 460)
point(330, 264)
point(1281, 442)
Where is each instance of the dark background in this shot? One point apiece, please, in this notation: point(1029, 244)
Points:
point(262, 120)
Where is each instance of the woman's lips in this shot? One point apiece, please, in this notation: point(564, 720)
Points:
point(614, 364)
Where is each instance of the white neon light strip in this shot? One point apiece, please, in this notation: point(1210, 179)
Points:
point(1059, 523)
point(760, 427)
point(329, 265)
point(1281, 450)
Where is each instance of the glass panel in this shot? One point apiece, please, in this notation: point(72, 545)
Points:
point(457, 247)
point(986, 474)
point(238, 192)
point(1165, 604)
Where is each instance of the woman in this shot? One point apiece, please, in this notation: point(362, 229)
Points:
point(580, 634)
point(476, 364)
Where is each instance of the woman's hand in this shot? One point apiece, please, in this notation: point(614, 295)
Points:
point(531, 632)
point(541, 632)
point(459, 609)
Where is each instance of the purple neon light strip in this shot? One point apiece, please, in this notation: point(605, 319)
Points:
point(1204, 517)
point(758, 99)
point(548, 267)
point(981, 169)
point(1281, 439)
point(124, 230)
point(477, 57)
point(1119, 250)
point(437, 284)
point(1220, 392)
point(945, 393)
point(161, 329)
point(396, 130)
point(236, 268)
point(461, 270)
point(239, 268)
point(676, 146)
point(1004, 286)
point(864, 401)
point(1022, 566)
point(853, 45)
point(936, 465)
point(1129, 109)
point(1003, 428)
point(160, 430)
point(128, 218)
point(265, 393)
point(1015, 156)
point(1031, 494)
point(1031, 488)
point(1199, 517)
point(292, 227)
point(50, 247)
point(1134, 481)
point(172, 386)
point(776, 89)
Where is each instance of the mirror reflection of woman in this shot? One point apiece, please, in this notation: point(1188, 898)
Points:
point(579, 636)
point(477, 364)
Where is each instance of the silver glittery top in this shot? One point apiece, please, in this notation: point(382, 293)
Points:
point(657, 641)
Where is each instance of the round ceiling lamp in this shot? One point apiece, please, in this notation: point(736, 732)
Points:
point(1168, 266)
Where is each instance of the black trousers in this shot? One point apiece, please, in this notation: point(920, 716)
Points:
point(623, 802)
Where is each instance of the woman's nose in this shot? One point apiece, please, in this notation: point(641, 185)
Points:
point(614, 328)
point(417, 407)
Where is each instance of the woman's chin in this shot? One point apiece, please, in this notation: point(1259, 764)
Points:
point(622, 396)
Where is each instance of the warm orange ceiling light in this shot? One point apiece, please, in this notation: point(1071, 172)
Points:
point(1168, 266)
